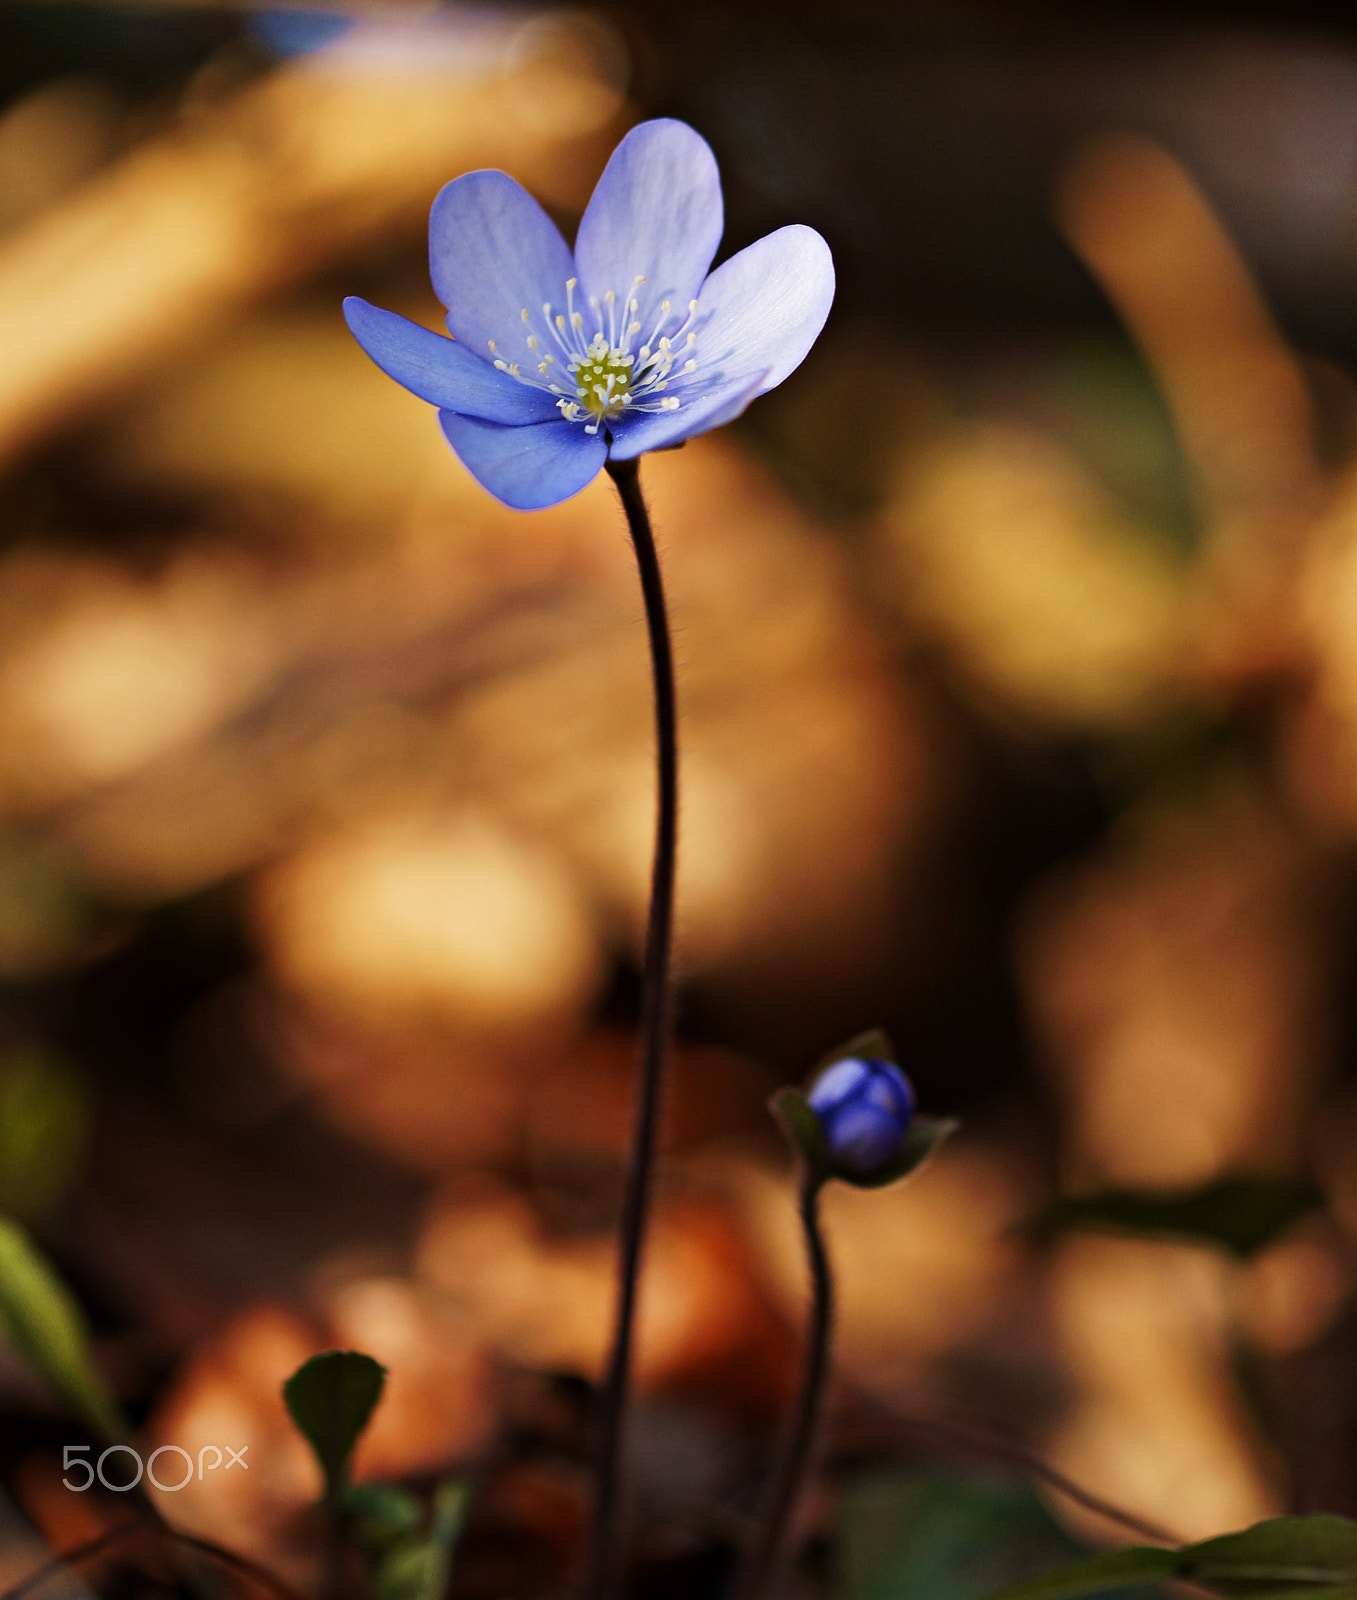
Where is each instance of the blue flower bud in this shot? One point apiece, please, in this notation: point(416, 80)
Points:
point(864, 1106)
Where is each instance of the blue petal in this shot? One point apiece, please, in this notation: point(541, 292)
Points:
point(494, 253)
point(441, 372)
point(838, 1083)
point(656, 213)
point(526, 468)
point(758, 314)
point(761, 311)
point(698, 413)
point(889, 1090)
point(862, 1138)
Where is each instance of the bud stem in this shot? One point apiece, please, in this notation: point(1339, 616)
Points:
point(765, 1557)
point(604, 1555)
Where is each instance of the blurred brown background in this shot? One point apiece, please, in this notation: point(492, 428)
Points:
point(1018, 649)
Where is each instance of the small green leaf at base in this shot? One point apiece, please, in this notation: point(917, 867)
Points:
point(1289, 1558)
point(330, 1398)
point(922, 1138)
point(382, 1513)
point(40, 1320)
point(409, 1563)
point(1241, 1215)
point(802, 1127)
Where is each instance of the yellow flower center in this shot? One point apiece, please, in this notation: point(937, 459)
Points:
point(603, 379)
point(608, 378)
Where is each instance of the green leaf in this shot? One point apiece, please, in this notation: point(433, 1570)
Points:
point(802, 1127)
point(1289, 1558)
point(1093, 1575)
point(40, 1319)
point(1238, 1214)
point(44, 1120)
point(935, 1534)
point(922, 1138)
point(872, 1045)
point(419, 1569)
point(382, 1513)
point(330, 1398)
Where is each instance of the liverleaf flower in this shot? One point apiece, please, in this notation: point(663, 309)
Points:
point(856, 1120)
point(864, 1105)
point(560, 361)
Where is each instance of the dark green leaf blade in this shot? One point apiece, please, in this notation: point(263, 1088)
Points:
point(1094, 1575)
point(40, 1319)
point(1287, 1558)
point(1239, 1214)
point(873, 1045)
point(330, 1398)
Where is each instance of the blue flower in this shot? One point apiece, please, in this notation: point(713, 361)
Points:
point(864, 1106)
point(558, 360)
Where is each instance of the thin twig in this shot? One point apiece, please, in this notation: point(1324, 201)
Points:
point(604, 1557)
point(997, 1448)
point(112, 1537)
point(765, 1556)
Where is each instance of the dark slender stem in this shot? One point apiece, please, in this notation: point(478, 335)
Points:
point(332, 1510)
point(765, 1555)
point(604, 1556)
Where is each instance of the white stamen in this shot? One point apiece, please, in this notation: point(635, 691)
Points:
point(607, 378)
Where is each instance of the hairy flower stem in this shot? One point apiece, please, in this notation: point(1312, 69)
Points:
point(604, 1557)
point(765, 1555)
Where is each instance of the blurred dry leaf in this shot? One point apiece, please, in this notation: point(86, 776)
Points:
point(1178, 985)
point(289, 406)
point(1322, 744)
point(999, 545)
point(230, 1394)
point(103, 674)
point(805, 761)
point(411, 916)
point(438, 1404)
point(548, 1302)
point(51, 140)
point(1290, 1296)
point(1236, 391)
point(294, 170)
point(1156, 1427)
point(432, 1100)
point(1238, 397)
point(919, 1267)
point(232, 711)
point(437, 1410)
